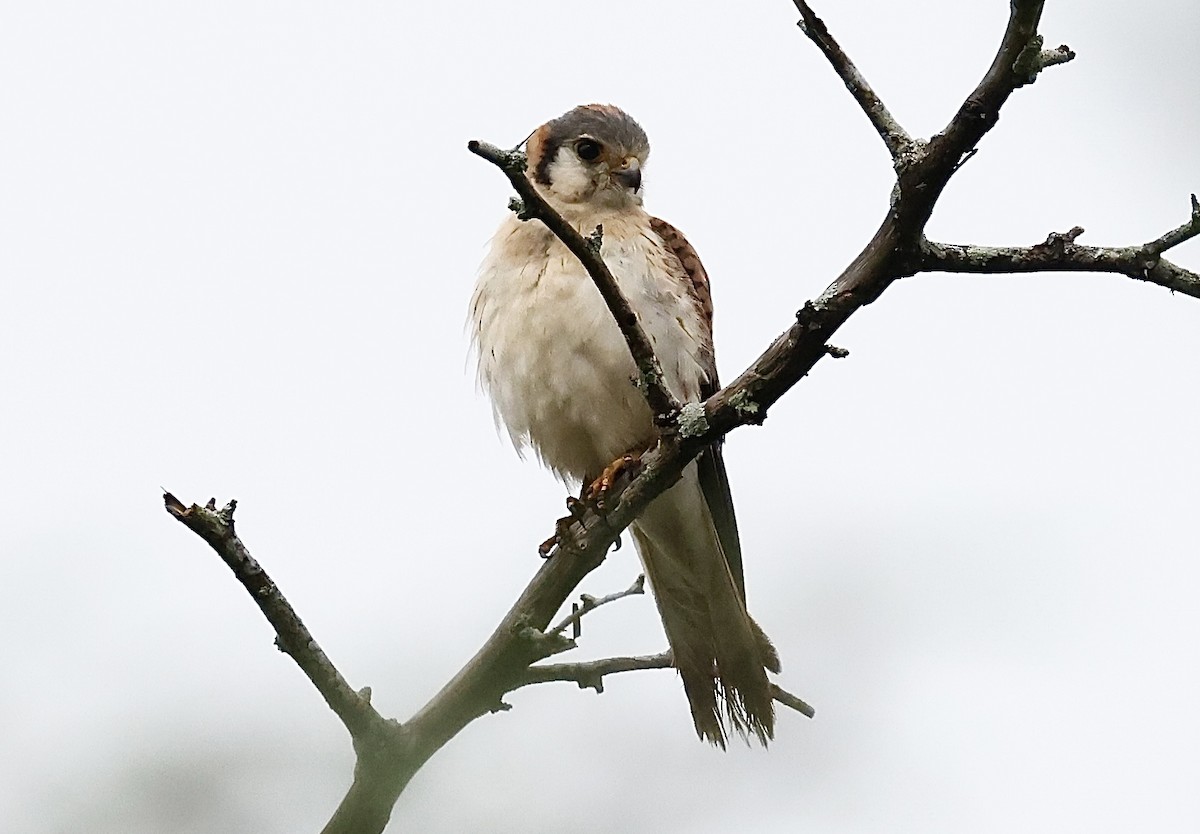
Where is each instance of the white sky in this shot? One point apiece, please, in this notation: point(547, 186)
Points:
point(237, 240)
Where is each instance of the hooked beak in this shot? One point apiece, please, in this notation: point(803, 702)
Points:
point(629, 175)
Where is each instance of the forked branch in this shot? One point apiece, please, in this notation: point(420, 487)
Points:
point(589, 603)
point(389, 754)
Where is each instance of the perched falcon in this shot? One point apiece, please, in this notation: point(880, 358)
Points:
point(560, 377)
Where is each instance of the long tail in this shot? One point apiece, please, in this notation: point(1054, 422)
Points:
point(721, 653)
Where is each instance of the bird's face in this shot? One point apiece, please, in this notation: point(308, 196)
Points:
point(592, 154)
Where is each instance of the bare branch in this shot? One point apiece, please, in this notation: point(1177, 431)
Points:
point(216, 527)
point(380, 773)
point(1033, 59)
point(1015, 65)
point(590, 675)
point(894, 251)
point(591, 603)
point(1060, 54)
point(789, 700)
point(893, 134)
point(1181, 234)
point(663, 404)
point(389, 754)
point(1060, 253)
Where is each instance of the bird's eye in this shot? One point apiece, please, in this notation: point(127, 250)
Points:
point(587, 149)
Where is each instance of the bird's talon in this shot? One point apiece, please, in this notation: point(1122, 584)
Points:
point(598, 490)
point(562, 527)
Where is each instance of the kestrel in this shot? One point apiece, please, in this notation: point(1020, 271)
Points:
point(561, 380)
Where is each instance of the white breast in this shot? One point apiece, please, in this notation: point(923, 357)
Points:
point(550, 355)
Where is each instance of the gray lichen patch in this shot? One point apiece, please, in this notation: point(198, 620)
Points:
point(742, 403)
point(514, 160)
point(693, 422)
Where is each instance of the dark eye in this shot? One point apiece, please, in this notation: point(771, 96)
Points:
point(587, 149)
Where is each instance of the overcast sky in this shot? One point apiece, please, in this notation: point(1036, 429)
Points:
point(237, 241)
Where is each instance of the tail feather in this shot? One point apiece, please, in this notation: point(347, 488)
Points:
point(721, 654)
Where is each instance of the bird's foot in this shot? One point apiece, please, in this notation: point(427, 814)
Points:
point(593, 495)
point(575, 510)
point(597, 491)
point(549, 544)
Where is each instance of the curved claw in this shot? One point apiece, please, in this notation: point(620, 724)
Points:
point(597, 491)
point(593, 493)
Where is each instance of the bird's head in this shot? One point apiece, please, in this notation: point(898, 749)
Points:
point(592, 154)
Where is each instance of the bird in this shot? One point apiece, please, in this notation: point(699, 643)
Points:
point(561, 380)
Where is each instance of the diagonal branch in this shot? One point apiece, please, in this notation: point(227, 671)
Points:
point(893, 134)
point(893, 252)
point(590, 675)
point(663, 404)
point(389, 754)
point(216, 527)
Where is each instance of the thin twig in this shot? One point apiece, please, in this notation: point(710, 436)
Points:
point(1061, 54)
point(893, 134)
point(591, 603)
point(662, 402)
point(789, 700)
point(1179, 235)
point(590, 675)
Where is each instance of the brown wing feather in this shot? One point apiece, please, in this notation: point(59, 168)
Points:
point(714, 480)
point(678, 245)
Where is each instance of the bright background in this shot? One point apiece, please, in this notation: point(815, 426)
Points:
point(237, 241)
